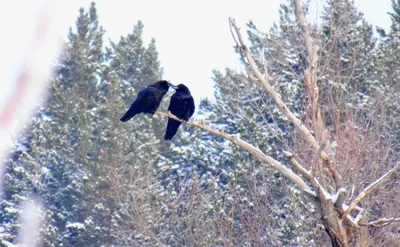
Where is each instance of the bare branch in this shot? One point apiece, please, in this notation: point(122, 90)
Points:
point(311, 48)
point(308, 175)
point(297, 166)
point(286, 172)
point(382, 222)
point(315, 160)
point(264, 80)
point(339, 199)
point(233, 36)
point(370, 188)
point(313, 92)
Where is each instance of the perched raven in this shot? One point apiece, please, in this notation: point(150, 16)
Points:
point(182, 106)
point(148, 100)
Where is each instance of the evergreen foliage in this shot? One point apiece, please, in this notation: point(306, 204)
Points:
point(107, 183)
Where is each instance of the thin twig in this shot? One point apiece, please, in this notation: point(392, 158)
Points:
point(382, 222)
point(370, 188)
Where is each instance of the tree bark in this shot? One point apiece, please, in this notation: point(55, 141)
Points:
point(333, 225)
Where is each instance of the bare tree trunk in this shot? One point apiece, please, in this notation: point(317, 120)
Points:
point(365, 239)
point(332, 225)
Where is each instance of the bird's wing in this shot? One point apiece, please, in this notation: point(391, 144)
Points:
point(142, 94)
point(175, 107)
point(175, 104)
point(155, 94)
point(135, 108)
point(191, 107)
point(147, 98)
point(187, 108)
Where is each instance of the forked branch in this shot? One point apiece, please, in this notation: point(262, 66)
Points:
point(264, 80)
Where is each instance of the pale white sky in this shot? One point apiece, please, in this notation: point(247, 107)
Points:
point(192, 37)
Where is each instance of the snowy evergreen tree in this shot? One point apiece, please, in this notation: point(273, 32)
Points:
point(104, 182)
point(137, 67)
point(73, 186)
point(348, 44)
point(77, 147)
point(387, 61)
point(18, 183)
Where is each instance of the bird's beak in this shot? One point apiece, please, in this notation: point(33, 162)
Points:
point(173, 86)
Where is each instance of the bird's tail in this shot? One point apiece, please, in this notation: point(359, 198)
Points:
point(172, 128)
point(128, 115)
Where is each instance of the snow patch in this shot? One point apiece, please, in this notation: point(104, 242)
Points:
point(11, 210)
point(45, 170)
point(76, 225)
point(174, 167)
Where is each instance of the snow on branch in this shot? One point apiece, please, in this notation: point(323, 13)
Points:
point(370, 188)
point(286, 172)
point(264, 80)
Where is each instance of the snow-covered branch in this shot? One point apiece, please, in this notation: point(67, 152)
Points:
point(286, 172)
point(370, 188)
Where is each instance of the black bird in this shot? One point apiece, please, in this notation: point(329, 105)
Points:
point(182, 106)
point(148, 100)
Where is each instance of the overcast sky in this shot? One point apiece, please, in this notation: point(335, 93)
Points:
point(192, 37)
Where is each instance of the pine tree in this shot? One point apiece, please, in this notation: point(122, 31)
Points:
point(137, 67)
point(60, 143)
point(104, 182)
point(386, 61)
point(17, 181)
point(74, 165)
point(348, 43)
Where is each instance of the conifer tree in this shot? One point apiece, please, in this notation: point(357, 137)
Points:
point(308, 126)
point(62, 157)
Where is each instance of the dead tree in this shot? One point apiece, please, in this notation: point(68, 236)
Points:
point(343, 217)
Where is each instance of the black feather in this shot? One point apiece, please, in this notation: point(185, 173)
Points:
point(148, 100)
point(182, 106)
